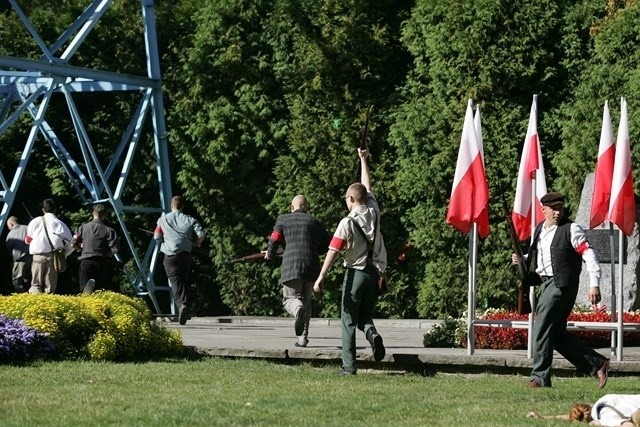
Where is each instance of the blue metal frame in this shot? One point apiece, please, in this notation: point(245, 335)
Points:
point(26, 87)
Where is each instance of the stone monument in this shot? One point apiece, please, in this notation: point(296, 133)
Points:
point(599, 238)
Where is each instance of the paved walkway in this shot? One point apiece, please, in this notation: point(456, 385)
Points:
point(272, 338)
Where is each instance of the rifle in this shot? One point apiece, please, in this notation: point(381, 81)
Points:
point(524, 305)
point(246, 258)
point(64, 239)
point(363, 140)
point(253, 257)
point(27, 209)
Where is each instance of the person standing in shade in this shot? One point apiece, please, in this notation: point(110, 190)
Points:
point(98, 243)
point(304, 239)
point(559, 246)
point(178, 233)
point(354, 236)
point(45, 234)
point(21, 269)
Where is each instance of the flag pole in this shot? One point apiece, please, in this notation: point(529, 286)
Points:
point(468, 207)
point(532, 294)
point(620, 301)
point(620, 308)
point(612, 247)
point(471, 300)
point(622, 211)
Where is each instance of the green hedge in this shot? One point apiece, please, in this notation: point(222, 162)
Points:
point(101, 326)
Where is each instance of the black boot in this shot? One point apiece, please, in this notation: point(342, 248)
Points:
point(299, 324)
point(376, 344)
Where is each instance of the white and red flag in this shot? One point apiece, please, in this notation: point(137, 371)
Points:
point(530, 174)
point(470, 192)
point(604, 172)
point(622, 208)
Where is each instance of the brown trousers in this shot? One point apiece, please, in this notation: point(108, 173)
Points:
point(44, 278)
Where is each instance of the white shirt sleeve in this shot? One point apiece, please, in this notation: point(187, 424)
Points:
point(583, 247)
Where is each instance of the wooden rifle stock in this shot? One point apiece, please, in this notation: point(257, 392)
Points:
point(524, 305)
point(253, 257)
point(246, 258)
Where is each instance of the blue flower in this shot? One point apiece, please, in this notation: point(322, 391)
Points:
point(19, 343)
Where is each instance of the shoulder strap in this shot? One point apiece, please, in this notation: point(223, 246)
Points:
point(361, 231)
point(46, 233)
point(601, 406)
point(364, 236)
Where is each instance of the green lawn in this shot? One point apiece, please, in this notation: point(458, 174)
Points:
point(224, 392)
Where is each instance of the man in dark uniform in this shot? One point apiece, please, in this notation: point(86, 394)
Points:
point(98, 243)
point(558, 248)
point(304, 238)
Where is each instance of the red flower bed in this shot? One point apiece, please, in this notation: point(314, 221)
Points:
point(500, 338)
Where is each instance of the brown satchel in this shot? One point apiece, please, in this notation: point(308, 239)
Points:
point(59, 259)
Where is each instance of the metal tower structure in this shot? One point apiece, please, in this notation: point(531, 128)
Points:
point(26, 88)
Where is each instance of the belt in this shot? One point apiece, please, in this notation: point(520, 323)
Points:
point(546, 278)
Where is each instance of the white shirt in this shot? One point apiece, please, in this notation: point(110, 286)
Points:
point(579, 243)
point(613, 409)
point(59, 234)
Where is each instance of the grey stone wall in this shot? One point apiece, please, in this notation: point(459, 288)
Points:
point(630, 272)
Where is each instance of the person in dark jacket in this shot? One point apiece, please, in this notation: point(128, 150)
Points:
point(98, 243)
point(558, 248)
point(304, 239)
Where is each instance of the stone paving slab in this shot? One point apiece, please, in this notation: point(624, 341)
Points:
point(273, 338)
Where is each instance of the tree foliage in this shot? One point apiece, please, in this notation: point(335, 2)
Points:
point(266, 98)
point(499, 54)
point(274, 97)
point(611, 72)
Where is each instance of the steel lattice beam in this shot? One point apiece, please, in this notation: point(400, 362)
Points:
point(26, 88)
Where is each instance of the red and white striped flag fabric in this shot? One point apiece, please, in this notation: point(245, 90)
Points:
point(531, 167)
point(470, 191)
point(604, 172)
point(622, 208)
point(482, 216)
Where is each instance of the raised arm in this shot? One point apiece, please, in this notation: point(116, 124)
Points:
point(365, 179)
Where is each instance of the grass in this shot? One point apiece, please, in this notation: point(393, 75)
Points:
point(222, 392)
